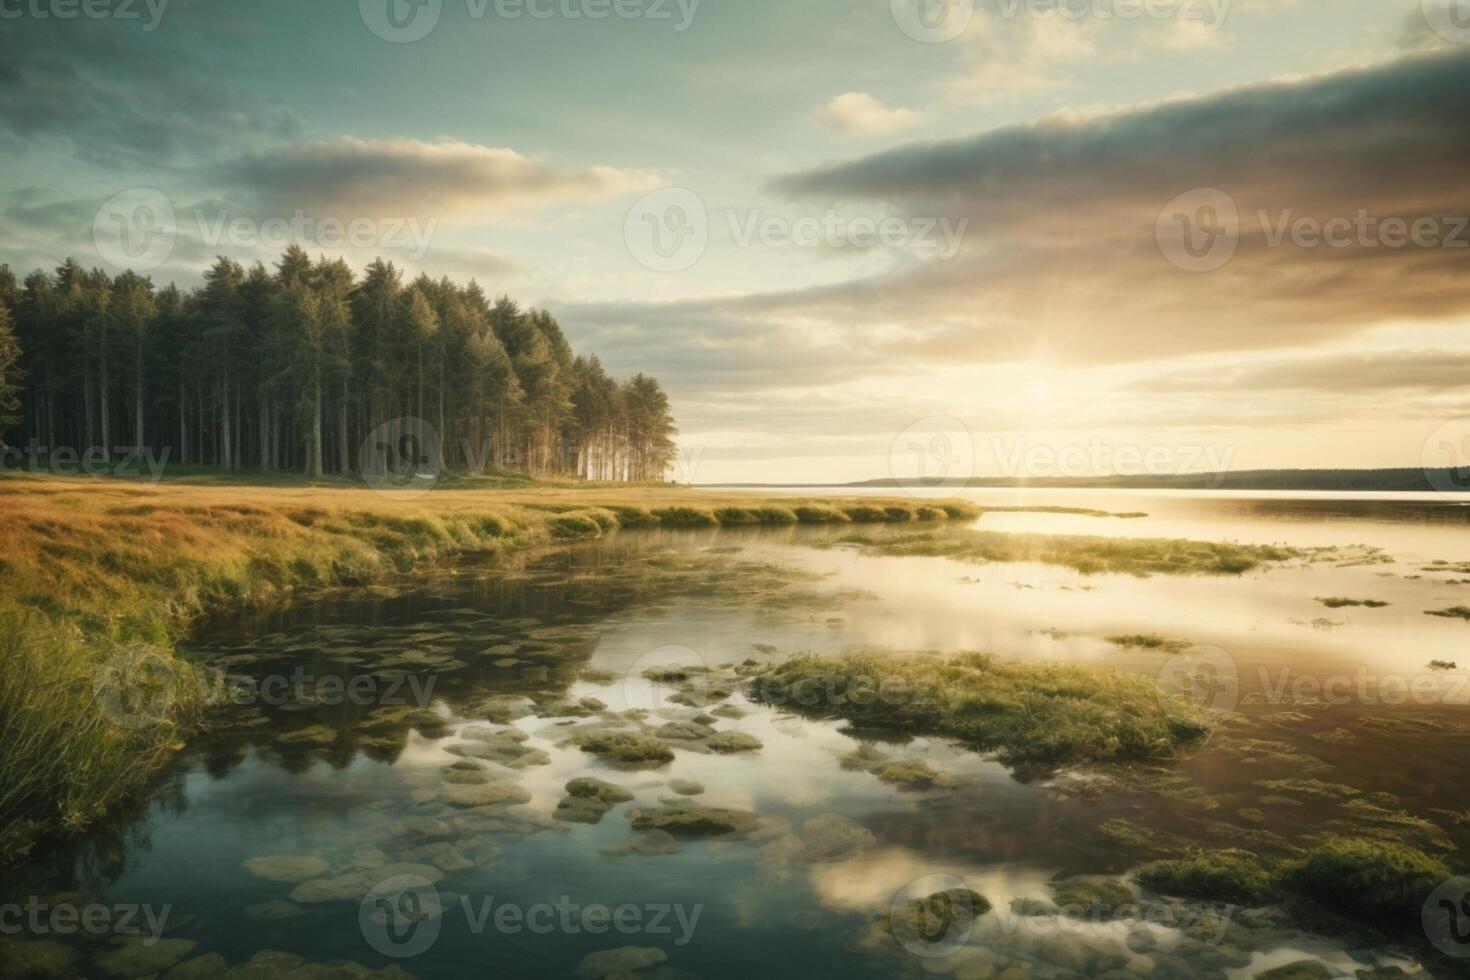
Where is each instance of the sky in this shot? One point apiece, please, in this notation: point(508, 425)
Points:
point(855, 239)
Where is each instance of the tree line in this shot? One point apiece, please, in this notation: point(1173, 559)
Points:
point(306, 366)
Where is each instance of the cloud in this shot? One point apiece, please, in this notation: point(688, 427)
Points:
point(448, 179)
point(857, 113)
point(1348, 371)
point(117, 99)
point(1064, 256)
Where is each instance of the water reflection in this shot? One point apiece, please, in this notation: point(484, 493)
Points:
point(268, 833)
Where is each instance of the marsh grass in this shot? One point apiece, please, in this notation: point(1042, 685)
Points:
point(1036, 716)
point(1338, 602)
point(91, 565)
point(1089, 555)
point(1148, 641)
point(1454, 612)
point(1383, 884)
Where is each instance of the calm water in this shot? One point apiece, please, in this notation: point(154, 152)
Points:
point(501, 670)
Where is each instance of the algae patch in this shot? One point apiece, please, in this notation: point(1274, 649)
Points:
point(1036, 715)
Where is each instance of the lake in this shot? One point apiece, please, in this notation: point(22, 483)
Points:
point(387, 784)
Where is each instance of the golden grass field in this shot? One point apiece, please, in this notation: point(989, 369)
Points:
point(92, 566)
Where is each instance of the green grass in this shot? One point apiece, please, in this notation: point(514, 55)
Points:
point(1034, 715)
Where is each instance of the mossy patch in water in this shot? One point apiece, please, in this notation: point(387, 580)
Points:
point(1377, 882)
point(1234, 876)
point(934, 914)
point(730, 743)
point(1454, 612)
point(1148, 641)
point(695, 822)
point(1339, 602)
point(1042, 715)
point(626, 748)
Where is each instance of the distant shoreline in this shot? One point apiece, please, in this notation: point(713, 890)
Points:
point(1379, 481)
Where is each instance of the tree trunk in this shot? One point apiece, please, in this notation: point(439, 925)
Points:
point(183, 423)
point(224, 420)
point(316, 425)
point(344, 459)
point(138, 439)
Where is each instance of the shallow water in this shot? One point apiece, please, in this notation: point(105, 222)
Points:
point(368, 790)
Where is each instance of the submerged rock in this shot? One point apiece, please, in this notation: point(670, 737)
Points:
point(649, 843)
point(287, 869)
point(276, 910)
point(1300, 970)
point(615, 962)
point(141, 956)
point(41, 958)
point(686, 787)
point(831, 837)
point(199, 968)
point(485, 794)
point(914, 775)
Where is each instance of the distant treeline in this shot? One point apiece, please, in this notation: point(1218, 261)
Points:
point(1389, 480)
point(296, 368)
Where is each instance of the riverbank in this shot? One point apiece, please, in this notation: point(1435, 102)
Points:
point(99, 578)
